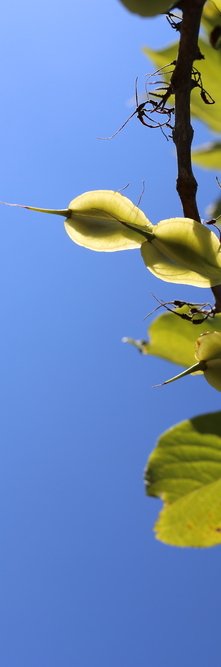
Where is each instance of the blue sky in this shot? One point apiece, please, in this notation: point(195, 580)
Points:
point(83, 580)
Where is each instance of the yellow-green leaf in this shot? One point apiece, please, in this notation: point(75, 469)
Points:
point(102, 220)
point(173, 338)
point(208, 155)
point(183, 251)
point(105, 220)
point(185, 471)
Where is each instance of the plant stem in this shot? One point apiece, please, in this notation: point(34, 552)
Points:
point(183, 132)
point(200, 366)
point(181, 86)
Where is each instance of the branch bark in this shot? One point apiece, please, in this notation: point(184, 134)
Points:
point(181, 85)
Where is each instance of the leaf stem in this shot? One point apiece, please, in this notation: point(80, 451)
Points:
point(63, 212)
point(200, 366)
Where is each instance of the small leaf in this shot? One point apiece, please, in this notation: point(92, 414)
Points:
point(185, 471)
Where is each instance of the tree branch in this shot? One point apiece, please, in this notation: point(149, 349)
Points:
point(181, 84)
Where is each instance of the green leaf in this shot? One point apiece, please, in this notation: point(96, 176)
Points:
point(210, 72)
point(208, 155)
point(103, 220)
point(207, 350)
point(185, 471)
point(147, 7)
point(183, 251)
point(173, 338)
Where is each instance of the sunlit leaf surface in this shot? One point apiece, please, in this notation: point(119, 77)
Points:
point(183, 251)
point(173, 338)
point(185, 471)
point(102, 220)
point(106, 221)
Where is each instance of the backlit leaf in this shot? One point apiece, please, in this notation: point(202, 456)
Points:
point(102, 220)
point(105, 220)
point(183, 251)
point(173, 338)
point(185, 471)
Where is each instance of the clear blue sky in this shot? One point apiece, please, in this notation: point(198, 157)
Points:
point(84, 583)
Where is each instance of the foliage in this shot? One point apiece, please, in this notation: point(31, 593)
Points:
point(178, 331)
point(185, 467)
point(185, 471)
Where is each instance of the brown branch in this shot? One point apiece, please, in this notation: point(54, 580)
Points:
point(181, 86)
point(183, 132)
